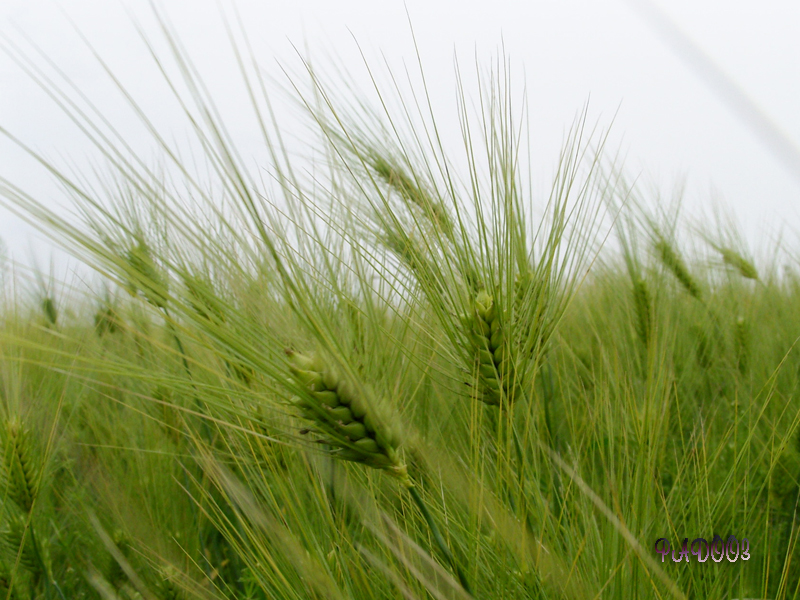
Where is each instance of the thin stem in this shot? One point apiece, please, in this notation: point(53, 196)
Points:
point(437, 537)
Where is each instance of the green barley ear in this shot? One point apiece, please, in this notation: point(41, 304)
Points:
point(738, 262)
point(674, 262)
point(343, 418)
point(144, 276)
point(21, 543)
point(485, 332)
point(50, 311)
point(21, 470)
point(644, 306)
point(434, 211)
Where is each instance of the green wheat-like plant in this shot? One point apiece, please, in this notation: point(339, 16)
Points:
point(496, 405)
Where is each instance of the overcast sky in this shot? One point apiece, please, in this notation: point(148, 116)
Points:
point(670, 124)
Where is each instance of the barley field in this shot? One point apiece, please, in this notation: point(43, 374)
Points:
point(384, 370)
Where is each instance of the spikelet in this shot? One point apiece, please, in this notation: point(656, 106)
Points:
point(738, 262)
point(643, 303)
point(144, 276)
point(485, 332)
point(676, 265)
point(343, 418)
point(50, 311)
point(21, 471)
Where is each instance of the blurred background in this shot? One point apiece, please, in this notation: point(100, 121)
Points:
point(699, 95)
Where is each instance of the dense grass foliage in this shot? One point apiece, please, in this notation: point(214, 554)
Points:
point(408, 378)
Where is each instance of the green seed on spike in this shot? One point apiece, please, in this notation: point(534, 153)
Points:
point(499, 355)
point(369, 423)
point(327, 398)
point(358, 407)
point(485, 356)
point(310, 379)
point(497, 338)
point(495, 323)
point(355, 430)
point(340, 414)
point(300, 361)
point(482, 302)
point(346, 392)
point(330, 379)
point(488, 371)
point(482, 328)
point(489, 314)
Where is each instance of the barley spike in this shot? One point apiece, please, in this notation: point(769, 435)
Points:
point(344, 420)
point(21, 470)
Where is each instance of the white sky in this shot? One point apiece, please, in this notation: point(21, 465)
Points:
point(670, 125)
